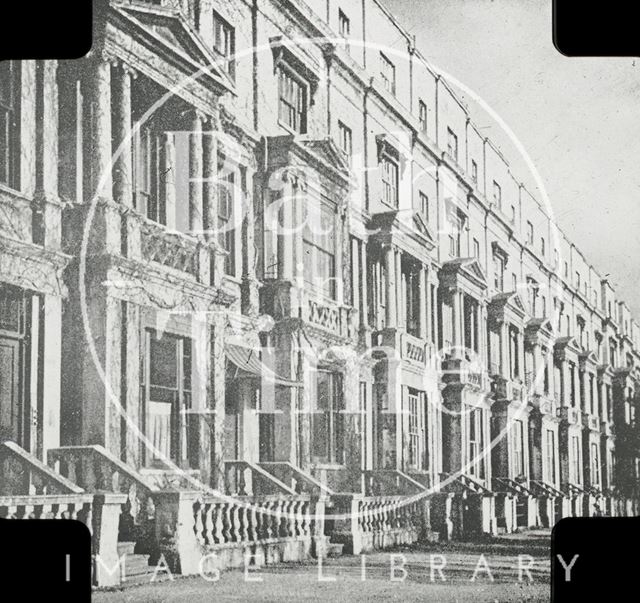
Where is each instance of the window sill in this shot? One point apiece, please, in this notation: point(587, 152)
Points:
point(289, 129)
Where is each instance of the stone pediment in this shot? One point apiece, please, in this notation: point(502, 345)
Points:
point(587, 357)
point(539, 330)
point(405, 228)
point(466, 268)
point(327, 150)
point(294, 154)
point(567, 347)
point(166, 31)
point(507, 307)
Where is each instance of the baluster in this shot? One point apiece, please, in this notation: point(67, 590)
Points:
point(243, 519)
point(218, 533)
point(226, 522)
point(274, 520)
point(293, 518)
point(199, 519)
point(208, 528)
point(252, 523)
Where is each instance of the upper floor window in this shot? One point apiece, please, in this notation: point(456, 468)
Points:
point(346, 140)
point(9, 122)
point(578, 280)
point(388, 74)
point(529, 233)
point(389, 170)
point(556, 258)
point(344, 24)
point(513, 214)
point(452, 144)
point(224, 41)
point(498, 271)
point(292, 95)
point(497, 194)
point(226, 212)
point(456, 226)
point(422, 114)
point(148, 167)
point(543, 246)
point(476, 249)
point(320, 251)
point(474, 171)
point(424, 206)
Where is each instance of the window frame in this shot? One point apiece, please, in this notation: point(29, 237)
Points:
point(423, 116)
point(10, 112)
point(452, 144)
point(285, 73)
point(221, 25)
point(390, 178)
point(388, 84)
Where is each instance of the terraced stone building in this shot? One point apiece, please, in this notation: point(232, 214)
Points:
point(266, 288)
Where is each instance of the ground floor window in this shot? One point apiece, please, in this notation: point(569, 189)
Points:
point(170, 427)
point(328, 419)
point(550, 456)
point(13, 363)
point(417, 430)
point(595, 465)
point(518, 448)
point(575, 459)
point(476, 441)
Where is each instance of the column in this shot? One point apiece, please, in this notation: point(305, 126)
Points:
point(195, 174)
point(210, 199)
point(47, 182)
point(170, 170)
point(99, 102)
point(390, 260)
point(422, 297)
point(123, 164)
point(364, 306)
point(284, 229)
point(355, 270)
point(457, 335)
point(400, 307)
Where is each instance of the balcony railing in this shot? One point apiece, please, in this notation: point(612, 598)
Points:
point(174, 250)
point(329, 316)
point(591, 422)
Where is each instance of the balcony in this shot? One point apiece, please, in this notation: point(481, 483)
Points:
point(569, 414)
point(508, 389)
point(591, 422)
point(413, 350)
point(462, 373)
point(283, 300)
point(329, 316)
point(605, 428)
point(173, 250)
point(544, 405)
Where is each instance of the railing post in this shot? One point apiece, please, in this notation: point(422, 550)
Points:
point(106, 513)
point(320, 541)
point(175, 535)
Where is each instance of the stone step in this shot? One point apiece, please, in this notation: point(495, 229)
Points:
point(334, 549)
point(126, 548)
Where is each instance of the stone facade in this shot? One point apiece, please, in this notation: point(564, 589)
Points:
point(166, 296)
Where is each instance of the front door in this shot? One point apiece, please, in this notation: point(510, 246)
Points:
point(10, 389)
point(168, 399)
point(13, 328)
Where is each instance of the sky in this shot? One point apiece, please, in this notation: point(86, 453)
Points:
point(576, 117)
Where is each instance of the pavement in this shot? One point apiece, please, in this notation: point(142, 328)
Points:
point(511, 568)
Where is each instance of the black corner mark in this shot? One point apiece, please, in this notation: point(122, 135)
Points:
point(596, 28)
point(48, 30)
point(594, 558)
point(46, 559)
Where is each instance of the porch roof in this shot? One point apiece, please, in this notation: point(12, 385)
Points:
point(249, 360)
